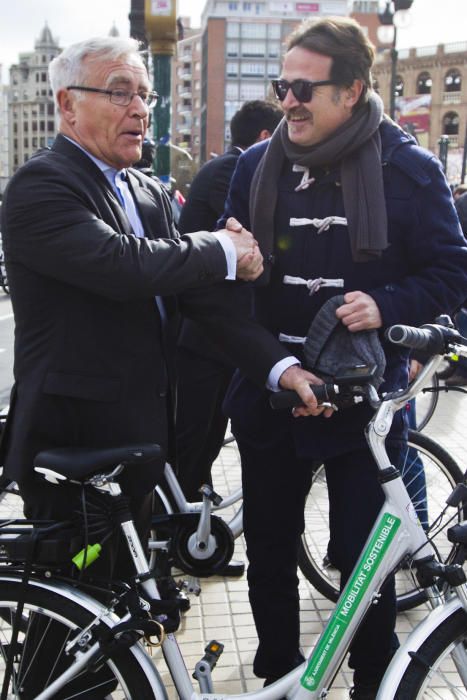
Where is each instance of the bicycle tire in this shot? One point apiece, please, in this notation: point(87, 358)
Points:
point(47, 615)
point(425, 403)
point(430, 674)
point(440, 469)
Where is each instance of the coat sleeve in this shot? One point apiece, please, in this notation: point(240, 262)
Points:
point(436, 252)
point(52, 225)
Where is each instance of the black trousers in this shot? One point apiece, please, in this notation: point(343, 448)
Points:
point(275, 484)
point(200, 423)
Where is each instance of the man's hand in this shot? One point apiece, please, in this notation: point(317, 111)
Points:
point(249, 258)
point(250, 266)
point(297, 379)
point(414, 369)
point(359, 312)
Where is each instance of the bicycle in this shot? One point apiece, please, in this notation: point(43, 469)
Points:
point(101, 636)
point(199, 538)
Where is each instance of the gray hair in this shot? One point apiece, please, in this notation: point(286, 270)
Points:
point(68, 67)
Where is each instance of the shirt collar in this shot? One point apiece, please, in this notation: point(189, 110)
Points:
point(109, 172)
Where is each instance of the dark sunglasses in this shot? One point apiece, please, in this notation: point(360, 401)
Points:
point(302, 90)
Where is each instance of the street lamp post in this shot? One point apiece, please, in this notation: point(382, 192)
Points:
point(393, 14)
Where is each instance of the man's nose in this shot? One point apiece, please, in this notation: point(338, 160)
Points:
point(139, 106)
point(290, 100)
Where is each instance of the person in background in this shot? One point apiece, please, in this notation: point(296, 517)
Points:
point(204, 372)
point(146, 166)
point(342, 202)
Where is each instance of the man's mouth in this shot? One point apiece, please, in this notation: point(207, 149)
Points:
point(297, 117)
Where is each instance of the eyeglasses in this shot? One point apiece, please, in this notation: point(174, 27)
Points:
point(302, 90)
point(122, 97)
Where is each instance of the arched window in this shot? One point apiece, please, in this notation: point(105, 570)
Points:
point(424, 84)
point(453, 81)
point(399, 86)
point(451, 124)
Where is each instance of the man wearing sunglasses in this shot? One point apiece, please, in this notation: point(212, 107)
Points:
point(341, 201)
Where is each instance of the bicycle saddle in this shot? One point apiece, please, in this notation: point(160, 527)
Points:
point(77, 463)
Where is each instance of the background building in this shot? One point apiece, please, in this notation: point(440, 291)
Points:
point(4, 141)
point(431, 97)
point(30, 102)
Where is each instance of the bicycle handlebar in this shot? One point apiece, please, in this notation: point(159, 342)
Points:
point(428, 338)
point(433, 339)
point(325, 393)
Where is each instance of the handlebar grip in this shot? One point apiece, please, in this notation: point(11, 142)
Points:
point(427, 338)
point(290, 399)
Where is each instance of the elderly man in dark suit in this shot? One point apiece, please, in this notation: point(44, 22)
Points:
point(94, 264)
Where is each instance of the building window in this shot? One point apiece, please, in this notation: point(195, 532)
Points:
point(233, 30)
point(233, 6)
point(256, 30)
point(232, 48)
point(451, 124)
point(50, 126)
point(424, 84)
point(399, 86)
point(232, 69)
point(274, 70)
point(252, 91)
point(253, 69)
point(274, 49)
point(247, 7)
point(453, 81)
point(274, 31)
point(251, 49)
point(231, 91)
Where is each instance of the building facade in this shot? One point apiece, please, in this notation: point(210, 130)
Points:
point(431, 97)
point(31, 111)
point(186, 91)
point(4, 140)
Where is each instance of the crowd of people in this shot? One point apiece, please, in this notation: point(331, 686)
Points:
point(117, 312)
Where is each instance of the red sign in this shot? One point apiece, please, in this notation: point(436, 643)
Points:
point(307, 6)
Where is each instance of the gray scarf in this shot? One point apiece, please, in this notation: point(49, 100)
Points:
point(356, 145)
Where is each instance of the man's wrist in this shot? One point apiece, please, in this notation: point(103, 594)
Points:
point(277, 371)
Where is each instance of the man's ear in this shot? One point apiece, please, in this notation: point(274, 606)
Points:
point(263, 134)
point(66, 104)
point(353, 93)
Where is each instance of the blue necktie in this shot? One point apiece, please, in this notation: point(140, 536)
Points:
point(126, 198)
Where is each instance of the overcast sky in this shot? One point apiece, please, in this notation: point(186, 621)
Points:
point(433, 21)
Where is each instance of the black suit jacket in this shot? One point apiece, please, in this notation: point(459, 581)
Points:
point(92, 361)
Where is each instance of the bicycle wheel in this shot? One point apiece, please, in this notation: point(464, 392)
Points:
point(49, 622)
point(441, 472)
point(432, 673)
point(426, 402)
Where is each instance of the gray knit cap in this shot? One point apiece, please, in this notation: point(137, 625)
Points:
point(330, 348)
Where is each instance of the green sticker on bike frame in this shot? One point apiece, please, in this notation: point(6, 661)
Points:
point(353, 593)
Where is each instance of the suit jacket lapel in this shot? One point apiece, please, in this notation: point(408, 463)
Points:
point(115, 210)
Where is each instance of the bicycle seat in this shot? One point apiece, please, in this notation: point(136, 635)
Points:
point(78, 463)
